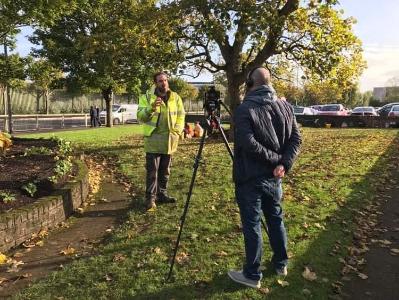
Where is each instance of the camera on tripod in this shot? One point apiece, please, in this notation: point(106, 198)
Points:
point(212, 101)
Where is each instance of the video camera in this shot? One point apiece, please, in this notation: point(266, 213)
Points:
point(212, 101)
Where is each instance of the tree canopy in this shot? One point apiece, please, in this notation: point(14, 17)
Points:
point(236, 36)
point(109, 45)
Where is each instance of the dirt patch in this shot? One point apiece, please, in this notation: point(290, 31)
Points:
point(29, 161)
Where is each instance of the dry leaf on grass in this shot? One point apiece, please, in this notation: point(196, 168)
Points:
point(182, 258)
point(264, 291)
point(283, 283)
point(119, 257)
point(309, 275)
point(306, 292)
point(108, 277)
point(362, 276)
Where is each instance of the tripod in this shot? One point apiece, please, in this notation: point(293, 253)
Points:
point(211, 119)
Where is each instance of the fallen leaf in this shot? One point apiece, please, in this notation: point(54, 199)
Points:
point(283, 283)
point(2, 279)
point(221, 254)
point(3, 258)
point(27, 245)
point(39, 243)
point(18, 255)
point(157, 250)
point(68, 251)
point(108, 230)
point(13, 269)
point(108, 277)
point(26, 275)
point(264, 291)
point(309, 275)
point(182, 258)
point(362, 276)
point(119, 257)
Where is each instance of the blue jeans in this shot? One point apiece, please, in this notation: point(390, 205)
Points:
point(262, 194)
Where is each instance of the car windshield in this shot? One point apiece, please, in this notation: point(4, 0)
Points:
point(330, 108)
point(115, 107)
point(298, 109)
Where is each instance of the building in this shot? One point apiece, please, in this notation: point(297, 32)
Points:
point(386, 94)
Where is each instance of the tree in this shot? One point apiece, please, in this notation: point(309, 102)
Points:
point(43, 75)
point(107, 45)
point(18, 13)
point(187, 91)
point(235, 36)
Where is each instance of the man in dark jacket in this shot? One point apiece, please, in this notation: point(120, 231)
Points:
point(267, 141)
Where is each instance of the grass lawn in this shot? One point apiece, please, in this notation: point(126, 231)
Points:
point(336, 176)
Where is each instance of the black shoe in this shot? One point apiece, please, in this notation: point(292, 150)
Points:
point(164, 198)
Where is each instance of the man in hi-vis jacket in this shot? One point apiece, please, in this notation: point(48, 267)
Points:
point(162, 113)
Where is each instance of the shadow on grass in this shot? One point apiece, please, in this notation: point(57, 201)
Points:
point(317, 255)
point(338, 228)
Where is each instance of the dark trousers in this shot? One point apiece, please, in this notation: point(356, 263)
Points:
point(158, 171)
point(253, 198)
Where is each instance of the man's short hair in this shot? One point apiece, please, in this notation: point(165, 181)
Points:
point(158, 74)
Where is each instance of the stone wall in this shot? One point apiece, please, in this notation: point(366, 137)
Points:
point(19, 225)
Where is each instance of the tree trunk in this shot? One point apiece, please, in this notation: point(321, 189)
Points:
point(46, 94)
point(9, 108)
point(107, 95)
point(233, 92)
point(37, 102)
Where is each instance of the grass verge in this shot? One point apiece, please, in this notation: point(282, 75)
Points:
point(338, 173)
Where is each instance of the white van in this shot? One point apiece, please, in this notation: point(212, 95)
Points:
point(121, 113)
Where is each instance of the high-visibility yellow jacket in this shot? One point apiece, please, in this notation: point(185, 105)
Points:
point(162, 127)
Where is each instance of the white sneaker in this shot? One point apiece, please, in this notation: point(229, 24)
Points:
point(282, 271)
point(239, 277)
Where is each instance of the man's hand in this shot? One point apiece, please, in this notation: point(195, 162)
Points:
point(156, 103)
point(279, 171)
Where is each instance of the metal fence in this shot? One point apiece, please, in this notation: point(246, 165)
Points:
point(45, 122)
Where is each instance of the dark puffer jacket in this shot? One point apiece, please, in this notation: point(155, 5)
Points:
point(266, 135)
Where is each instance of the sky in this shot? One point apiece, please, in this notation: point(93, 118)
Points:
point(377, 25)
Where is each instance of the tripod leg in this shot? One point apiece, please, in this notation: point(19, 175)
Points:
point(226, 143)
point(183, 217)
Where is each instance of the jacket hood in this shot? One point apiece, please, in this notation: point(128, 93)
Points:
point(261, 95)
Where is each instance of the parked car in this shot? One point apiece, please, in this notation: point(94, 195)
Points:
point(317, 108)
point(364, 111)
point(302, 110)
point(386, 109)
point(121, 113)
point(333, 110)
point(394, 112)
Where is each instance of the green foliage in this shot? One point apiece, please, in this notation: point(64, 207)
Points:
point(30, 188)
point(108, 43)
point(235, 36)
point(12, 71)
point(7, 197)
point(183, 88)
point(37, 151)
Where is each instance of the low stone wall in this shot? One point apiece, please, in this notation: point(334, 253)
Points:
point(19, 225)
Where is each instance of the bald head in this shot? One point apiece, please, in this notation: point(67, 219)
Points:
point(258, 77)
